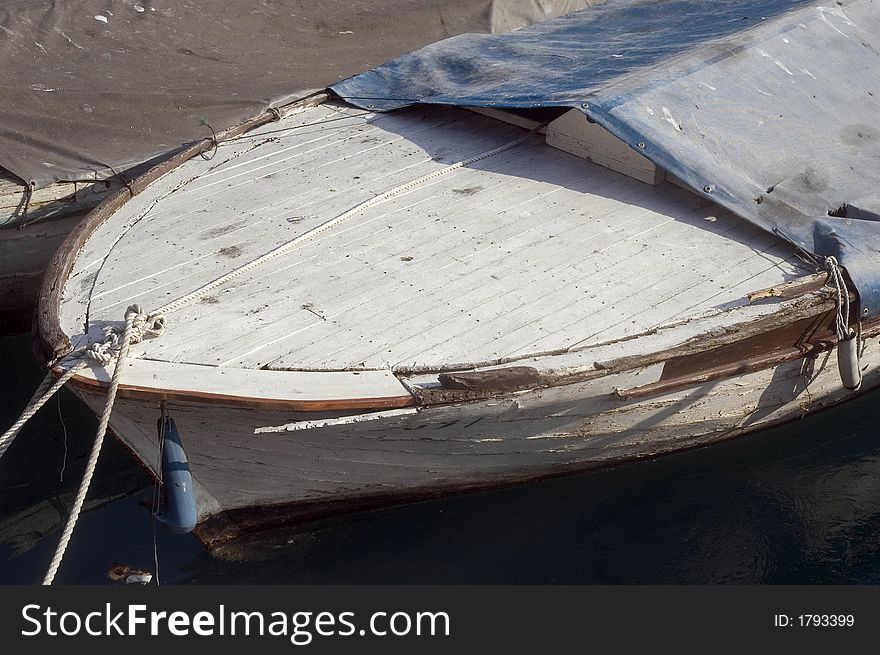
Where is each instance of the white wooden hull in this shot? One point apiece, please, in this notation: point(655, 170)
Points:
point(248, 478)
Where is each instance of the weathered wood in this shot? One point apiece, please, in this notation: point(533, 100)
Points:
point(529, 251)
point(573, 133)
point(496, 380)
point(258, 389)
point(295, 476)
point(57, 200)
point(510, 117)
point(791, 289)
point(497, 288)
point(50, 341)
point(816, 304)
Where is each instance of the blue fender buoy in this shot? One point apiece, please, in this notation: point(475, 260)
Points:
point(178, 512)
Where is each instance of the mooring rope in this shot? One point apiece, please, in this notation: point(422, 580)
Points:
point(135, 322)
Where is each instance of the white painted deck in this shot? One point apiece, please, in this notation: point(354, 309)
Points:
point(530, 251)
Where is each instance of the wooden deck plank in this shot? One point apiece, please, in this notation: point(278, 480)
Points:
point(263, 233)
point(531, 250)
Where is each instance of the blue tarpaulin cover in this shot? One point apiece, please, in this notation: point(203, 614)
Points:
point(771, 108)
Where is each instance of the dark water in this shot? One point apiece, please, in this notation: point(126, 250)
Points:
point(793, 505)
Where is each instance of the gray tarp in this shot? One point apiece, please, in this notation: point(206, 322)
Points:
point(92, 86)
point(771, 108)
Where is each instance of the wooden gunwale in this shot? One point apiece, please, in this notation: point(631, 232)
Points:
point(804, 330)
point(250, 402)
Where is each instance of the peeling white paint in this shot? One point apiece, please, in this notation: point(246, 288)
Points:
point(100, 18)
point(671, 120)
point(551, 435)
point(342, 420)
point(785, 40)
point(45, 89)
point(139, 9)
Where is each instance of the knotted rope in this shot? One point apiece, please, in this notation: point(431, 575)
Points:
point(103, 352)
point(115, 345)
point(142, 326)
point(835, 276)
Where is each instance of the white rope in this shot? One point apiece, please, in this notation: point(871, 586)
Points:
point(333, 222)
point(103, 352)
point(836, 277)
point(132, 316)
point(142, 326)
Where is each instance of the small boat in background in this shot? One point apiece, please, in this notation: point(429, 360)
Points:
point(33, 223)
point(498, 259)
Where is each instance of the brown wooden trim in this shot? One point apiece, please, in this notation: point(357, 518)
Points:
point(814, 304)
point(804, 338)
point(510, 378)
point(49, 340)
point(707, 375)
point(250, 402)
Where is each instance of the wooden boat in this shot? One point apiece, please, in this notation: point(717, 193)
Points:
point(368, 308)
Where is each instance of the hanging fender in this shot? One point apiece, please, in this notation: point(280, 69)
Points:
point(178, 511)
point(848, 361)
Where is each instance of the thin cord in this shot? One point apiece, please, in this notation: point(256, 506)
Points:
point(64, 428)
point(156, 486)
point(213, 148)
